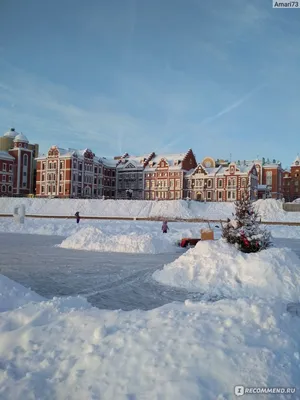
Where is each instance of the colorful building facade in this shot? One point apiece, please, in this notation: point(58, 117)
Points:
point(74, 174)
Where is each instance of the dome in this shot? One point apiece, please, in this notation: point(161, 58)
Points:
point(11, 133)
point(21, 138)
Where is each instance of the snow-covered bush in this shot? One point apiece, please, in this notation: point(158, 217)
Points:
point(244, 230)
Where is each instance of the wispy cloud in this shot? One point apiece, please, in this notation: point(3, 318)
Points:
point(232, 106)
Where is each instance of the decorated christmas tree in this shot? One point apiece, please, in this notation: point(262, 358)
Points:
point(244, 230)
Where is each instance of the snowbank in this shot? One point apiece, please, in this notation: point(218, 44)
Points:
point(63, 348)
point(270, 210)
point(13, 295)
point(219, 270)
point(94, 239)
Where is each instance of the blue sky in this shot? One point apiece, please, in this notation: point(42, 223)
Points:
point(221, 77)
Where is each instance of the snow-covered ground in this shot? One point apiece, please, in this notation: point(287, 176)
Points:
point(64, 349)
point(193, 348)
point(218, 270)
point(270, 210)
point(178, 230)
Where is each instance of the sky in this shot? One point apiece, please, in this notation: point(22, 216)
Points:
point(136, 76)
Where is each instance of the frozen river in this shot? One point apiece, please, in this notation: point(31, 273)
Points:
point(107, 280)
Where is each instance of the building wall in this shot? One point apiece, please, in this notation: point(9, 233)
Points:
point(74, 177)
point(6, 177)
point(22, 184)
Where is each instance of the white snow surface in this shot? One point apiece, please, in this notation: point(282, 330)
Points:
point(65, 349)
point(270, 210)
point(219, 269)
point(178, 230)
point(92, 238)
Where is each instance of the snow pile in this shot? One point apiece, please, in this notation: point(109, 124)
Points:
point(63, 348)
point(13, 295)
point(94, 239)
point(270, 209)
point(217, 269)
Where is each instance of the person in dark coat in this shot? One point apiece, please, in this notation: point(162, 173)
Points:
point(165, 227)
point(77, 217)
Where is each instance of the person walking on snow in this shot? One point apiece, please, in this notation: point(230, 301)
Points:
point(165, 227)
point(77, 217)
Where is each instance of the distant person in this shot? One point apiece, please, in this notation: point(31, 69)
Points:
point(77, 217)
point(165, 227)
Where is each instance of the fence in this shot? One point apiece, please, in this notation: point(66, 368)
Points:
point(291, 207)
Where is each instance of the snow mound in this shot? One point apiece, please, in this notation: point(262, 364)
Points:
point(271, 210)
point(93, 239)
point(13, 295)
point(218, 270)
point(58, 349)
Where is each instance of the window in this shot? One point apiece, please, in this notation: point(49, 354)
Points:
point(147, 196)
point(60, 189)
point(43, 165)
point(209, 183)
point(178, 183)
point(25, 173)
point(4, 167)
point(220, 195)
point(43, 177)
point(244, 182)
point(3, 188)
point(10, 168)
point(9, 188)
point(25, 160)
point(3, 178)
point(220, 183)
point(147, 184)
point(269, 178)
point(43, 189)
point(9, 179)
point(177, 195)
point(209, 195)
point(171, 195)
point(24, 184)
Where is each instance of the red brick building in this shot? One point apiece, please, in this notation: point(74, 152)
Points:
point(75, 173)
point(23, 153)
point(291, 182)
point(209, 182)
point(270, 178)
point(6, 173)
point(164, 175)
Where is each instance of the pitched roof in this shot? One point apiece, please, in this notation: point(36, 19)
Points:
point(4, 155)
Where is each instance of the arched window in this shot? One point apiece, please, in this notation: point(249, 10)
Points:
point(9, 188)
point(25, 160)
point(3, 188)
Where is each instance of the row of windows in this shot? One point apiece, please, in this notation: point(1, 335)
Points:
point(4, 167)
point(162, 195)
point(162, 183)
point(161, 174)
point(6, 178)
point(3, 189)
point(231, 182)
